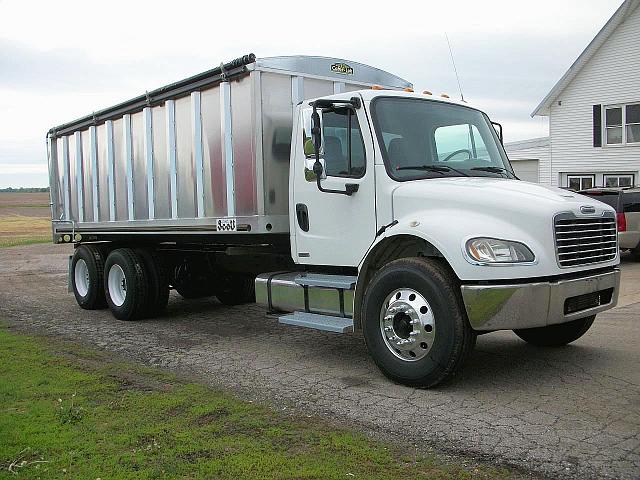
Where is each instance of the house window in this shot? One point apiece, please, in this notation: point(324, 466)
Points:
point(618, 180)
point(580, 182)
point(622, 124)
point(632, 122)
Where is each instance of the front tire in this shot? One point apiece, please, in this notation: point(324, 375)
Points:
point(556, 335)
point(125, 284)
point(414, 323)
point(87, 267)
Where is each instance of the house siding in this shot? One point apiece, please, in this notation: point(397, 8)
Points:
point(611, 76)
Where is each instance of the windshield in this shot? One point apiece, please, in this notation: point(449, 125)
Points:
point(430, 139)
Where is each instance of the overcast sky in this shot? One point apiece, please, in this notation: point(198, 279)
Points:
point(62, 60)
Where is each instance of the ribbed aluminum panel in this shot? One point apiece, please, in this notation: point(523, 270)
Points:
point(584, 241)
point(214, 145)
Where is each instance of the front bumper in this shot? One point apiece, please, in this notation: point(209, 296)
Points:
point(529, 305)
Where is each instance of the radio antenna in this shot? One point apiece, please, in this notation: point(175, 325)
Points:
point(453, 62)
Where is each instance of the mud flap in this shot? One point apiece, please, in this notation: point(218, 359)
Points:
point(69, 284)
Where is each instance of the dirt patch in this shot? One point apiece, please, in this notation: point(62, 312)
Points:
point(212, 417)
point(25, 204)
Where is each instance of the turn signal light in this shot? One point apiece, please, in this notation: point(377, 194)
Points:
point(408, 89)
point(376, 87)
point(622, 222)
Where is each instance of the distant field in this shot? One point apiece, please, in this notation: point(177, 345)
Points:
point(26, 204)
point(24, 218)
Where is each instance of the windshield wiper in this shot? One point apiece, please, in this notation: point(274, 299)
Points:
point(442, 169)
point(494, 169)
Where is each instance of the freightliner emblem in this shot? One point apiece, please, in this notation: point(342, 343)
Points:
point(342, 68)
point(587, 209)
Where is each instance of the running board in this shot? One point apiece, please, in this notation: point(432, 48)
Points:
point(318, 322)
point(307, 292)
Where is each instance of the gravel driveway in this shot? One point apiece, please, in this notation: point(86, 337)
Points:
point(570, 412)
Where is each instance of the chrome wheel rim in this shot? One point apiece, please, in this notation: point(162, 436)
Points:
point(117, 284)
point(81, 278)
point(407, 324)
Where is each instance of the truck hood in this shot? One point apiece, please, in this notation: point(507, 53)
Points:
point(448, 211)
point(497, 195)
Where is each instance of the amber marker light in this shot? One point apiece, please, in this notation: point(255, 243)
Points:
point(444, 95)
point(408, 89)
point(427, 92)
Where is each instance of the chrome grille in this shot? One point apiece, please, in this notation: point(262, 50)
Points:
point(582, 241)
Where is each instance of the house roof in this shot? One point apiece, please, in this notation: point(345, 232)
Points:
point(627, 7)
point(525, 144)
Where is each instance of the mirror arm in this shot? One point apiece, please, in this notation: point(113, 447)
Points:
point(496, 124)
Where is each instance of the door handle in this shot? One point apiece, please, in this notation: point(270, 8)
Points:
point(302, 214)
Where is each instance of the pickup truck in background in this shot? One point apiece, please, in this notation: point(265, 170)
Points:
point(626, 202)
point(339, 198)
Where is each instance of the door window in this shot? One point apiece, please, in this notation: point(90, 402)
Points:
point(342, 148)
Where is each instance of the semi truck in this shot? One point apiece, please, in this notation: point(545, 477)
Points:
point(340, 199)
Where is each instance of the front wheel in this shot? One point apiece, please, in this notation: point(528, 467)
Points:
point(556, 335)
point(414, 323)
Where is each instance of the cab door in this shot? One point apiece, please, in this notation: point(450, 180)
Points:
point(333, 228)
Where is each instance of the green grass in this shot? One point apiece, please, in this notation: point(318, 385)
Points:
point(71, 412)
point(16, 241)
point(21, 230)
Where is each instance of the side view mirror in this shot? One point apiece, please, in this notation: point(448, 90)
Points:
point(316, 133)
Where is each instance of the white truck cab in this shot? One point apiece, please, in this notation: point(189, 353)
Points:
point(390, 213)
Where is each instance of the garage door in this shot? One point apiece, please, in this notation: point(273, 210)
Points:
point(526, 170)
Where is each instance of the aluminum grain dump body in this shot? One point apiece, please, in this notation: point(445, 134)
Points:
point(204, 157)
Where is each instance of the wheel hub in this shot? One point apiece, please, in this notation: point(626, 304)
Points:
point(81, 277)
point(407, 324)
point(117, 284)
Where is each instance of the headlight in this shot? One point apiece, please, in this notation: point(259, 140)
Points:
point(492, 250)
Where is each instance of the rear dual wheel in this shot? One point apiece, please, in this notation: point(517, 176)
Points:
point(135, 284)
point(87, 270)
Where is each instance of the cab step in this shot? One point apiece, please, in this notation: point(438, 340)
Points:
point(318, 322)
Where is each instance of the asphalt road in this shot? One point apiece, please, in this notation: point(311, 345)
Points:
point(572, 412)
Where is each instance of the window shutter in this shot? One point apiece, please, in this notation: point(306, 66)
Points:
point(597, 125)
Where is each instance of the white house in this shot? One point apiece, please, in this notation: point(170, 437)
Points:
point(594, 113)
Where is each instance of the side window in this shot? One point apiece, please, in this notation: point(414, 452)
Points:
point(459, 143)
point(631, 202)
point(342, 144)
